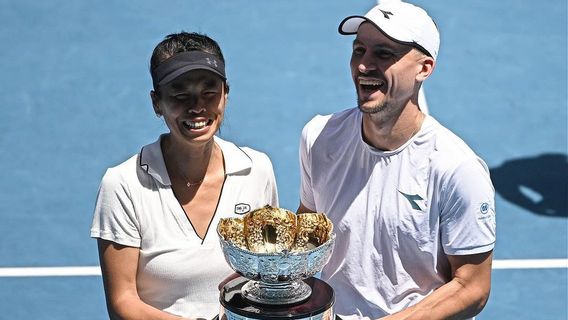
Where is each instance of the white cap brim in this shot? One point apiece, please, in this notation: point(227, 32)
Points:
point(401, 22)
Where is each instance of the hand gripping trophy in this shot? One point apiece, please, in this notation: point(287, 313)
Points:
point(277, 253)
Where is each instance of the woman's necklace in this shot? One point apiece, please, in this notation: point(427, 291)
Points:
point(192, 184)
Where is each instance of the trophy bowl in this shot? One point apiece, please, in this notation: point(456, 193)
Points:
point(276, 249)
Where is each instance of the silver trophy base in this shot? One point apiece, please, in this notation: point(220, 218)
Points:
point(318, 306)
point(276, 294)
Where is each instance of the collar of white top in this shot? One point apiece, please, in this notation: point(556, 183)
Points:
point(152, 160)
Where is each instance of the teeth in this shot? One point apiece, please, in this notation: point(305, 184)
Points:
point(196, 124)
point(367, 82)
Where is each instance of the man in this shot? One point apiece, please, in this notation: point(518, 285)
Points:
point(412, 205)
point(422, 102)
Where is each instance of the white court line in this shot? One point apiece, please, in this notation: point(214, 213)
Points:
point(50, 271)
point(530, 263)
point(96, 271)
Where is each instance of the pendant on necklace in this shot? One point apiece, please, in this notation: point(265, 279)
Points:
point(189, 184)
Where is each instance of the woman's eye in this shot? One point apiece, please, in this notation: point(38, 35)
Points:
point(181, 97)
point(210, 93)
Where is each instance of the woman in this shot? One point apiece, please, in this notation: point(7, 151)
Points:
point(156, 214)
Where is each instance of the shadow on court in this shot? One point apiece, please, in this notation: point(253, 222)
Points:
point(538, 184)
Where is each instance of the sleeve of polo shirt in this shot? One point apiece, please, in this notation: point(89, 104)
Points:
point(306, 191)
point(467, 221)
point(114, 217)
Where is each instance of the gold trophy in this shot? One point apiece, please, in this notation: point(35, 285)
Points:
point(277, 251)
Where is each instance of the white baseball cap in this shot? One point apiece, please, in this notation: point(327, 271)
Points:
point(401, 22)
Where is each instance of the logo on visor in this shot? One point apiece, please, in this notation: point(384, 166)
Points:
point(242, 208)
point(211, 62)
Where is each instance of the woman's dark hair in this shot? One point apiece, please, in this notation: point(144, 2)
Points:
point(182, 42)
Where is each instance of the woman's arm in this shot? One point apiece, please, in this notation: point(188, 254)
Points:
point(463, 297)
point(119, 265)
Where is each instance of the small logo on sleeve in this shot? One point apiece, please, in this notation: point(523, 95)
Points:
point(242, 208)
point(486, 211)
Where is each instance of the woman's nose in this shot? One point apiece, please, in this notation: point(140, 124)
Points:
point(191, 103)
point(196, 110)
point(194, 105)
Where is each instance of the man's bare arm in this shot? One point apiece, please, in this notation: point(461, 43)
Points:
point(463, 297)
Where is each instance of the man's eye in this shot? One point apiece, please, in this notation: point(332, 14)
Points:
point(383, 54)
point(358, 51)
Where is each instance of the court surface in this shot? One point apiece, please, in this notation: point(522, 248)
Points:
point(74, 92)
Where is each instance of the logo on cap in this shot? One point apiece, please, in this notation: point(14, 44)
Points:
point(386, 13)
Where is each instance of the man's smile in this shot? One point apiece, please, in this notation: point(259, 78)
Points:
point(368, 86)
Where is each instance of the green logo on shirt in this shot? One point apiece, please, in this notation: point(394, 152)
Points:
point(412, 198)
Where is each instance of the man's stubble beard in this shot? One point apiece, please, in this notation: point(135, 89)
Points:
point(379, 107)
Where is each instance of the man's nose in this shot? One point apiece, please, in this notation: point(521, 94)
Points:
point(366, 66)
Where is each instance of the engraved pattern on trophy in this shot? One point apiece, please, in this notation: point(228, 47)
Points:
point(276, 249)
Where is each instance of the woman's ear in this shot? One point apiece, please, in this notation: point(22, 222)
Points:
point(226, 92)
point(154, 97)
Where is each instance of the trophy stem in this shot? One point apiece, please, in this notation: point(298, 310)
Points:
point(276, 294)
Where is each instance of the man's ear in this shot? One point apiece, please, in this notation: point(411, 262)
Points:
point(427, 67)
point(154, 97)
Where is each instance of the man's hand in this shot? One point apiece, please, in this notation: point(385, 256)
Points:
point(227, 279)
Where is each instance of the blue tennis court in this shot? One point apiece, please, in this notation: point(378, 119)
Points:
point(75, 94)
